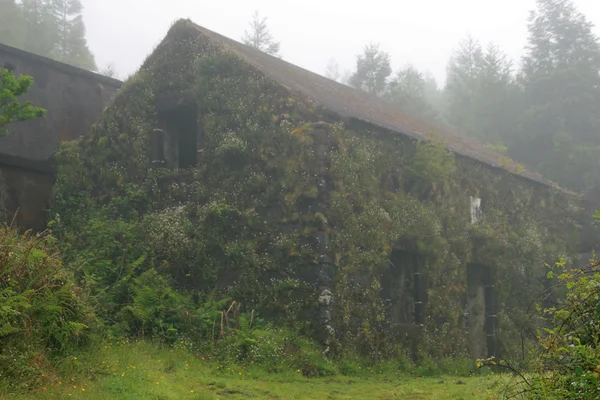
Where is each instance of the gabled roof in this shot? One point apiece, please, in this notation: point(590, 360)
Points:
point(348, 102)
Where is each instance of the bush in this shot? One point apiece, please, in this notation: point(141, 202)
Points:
point(568, 364)
point(275, 350)
point(41, 311)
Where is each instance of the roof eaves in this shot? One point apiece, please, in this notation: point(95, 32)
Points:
point(67, 68)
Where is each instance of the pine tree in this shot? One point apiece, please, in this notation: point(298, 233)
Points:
point(71, 46)
point(481, 92)
point(110, 71)
point(40, 27)
point(373, 68)
point(333, 70)
point(11, 23)
point(560, 126)
point(435, 96)
point(463, 72)
point(259, 36)
point(407, 91)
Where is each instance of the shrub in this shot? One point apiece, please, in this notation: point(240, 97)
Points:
point(42, 314)
point(568, 364)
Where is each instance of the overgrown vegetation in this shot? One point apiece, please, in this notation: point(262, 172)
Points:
point(281, 233)
point(285, 201)
point(567, 365)
point(50, 28)
point(127, 370)
point(11, 110)
point(43, 315)
point(52, 331)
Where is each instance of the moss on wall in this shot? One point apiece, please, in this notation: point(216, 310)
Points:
point(280, 184)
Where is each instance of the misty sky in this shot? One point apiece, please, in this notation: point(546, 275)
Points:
point(423, 32)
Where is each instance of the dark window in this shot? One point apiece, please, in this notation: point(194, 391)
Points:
point(157, 148)
point(483, 307)
point(180, 136)
point(404, 288)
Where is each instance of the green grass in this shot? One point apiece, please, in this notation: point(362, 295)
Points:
point(145, 371)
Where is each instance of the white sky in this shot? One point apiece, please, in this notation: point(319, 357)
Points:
point(423, 32)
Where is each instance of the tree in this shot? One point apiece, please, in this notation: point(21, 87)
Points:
point(71, 46)
point(333, 70)
point(481, 92)
point(463, 71)
point(110, 71)
point(373, 68)
point(40, 27)
point(407, 90)
point(560, 134)
point(259, 36)
point(11, 88)
point(11, 23)
point(434, 95)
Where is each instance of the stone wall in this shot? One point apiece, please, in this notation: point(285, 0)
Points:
point(74, 98)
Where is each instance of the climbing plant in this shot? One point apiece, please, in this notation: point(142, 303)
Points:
point(279, 186)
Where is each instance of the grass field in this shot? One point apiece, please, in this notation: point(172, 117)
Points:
point(144, 371)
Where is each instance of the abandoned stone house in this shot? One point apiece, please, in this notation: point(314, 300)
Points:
point(74, 98)
point(347, 219)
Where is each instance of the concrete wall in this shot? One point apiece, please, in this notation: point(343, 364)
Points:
point(74, 98)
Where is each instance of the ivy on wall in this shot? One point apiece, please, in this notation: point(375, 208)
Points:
point(243, 223)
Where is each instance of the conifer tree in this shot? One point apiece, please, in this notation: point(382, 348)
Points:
point(71, 46)
point(40, 27)
point(259, 36)
point(373, 68)
point(408, 91)
point(333, 70)
point(560, 134)
point(11, 23)
point(481, 92)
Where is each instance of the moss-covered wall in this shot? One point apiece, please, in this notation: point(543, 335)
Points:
point(296, 213)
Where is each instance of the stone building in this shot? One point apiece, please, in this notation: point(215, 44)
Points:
point(74, 98)
point(317, 203)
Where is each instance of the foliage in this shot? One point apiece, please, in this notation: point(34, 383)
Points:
point(333, 70)
point(567, 361)
point(42, 313)
point(11, 88)
point(285, 200)
point(128, 370)
point(11, 29)
point(561, 87)
point(432, 162)
point(259, 36)
point(50, 28)
point(71, 46)
point(109, 70)
point(373, 68)
point(408, 90)
point(481, 92)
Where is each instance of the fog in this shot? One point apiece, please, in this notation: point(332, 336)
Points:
point(311, 32)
